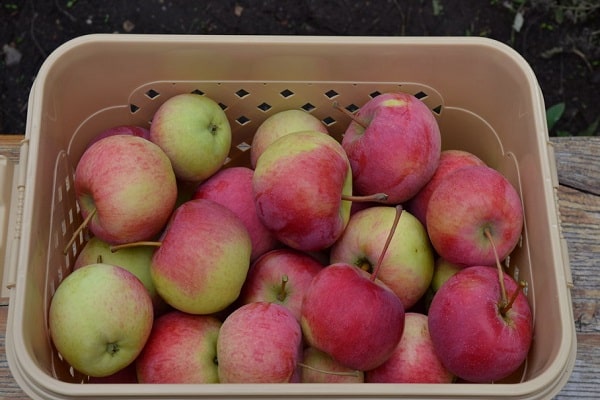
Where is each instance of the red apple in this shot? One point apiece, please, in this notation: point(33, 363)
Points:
point(280, 276)
point(479, 336)
point(450, 160)
point(133, 130)
point(203, 258)
point(298, 186)
point(232, 188)
point(182, 348)
point(414, 360)
point(259, 343)
point(395, 148)
point(126, 185)
point(472, 211)
point(356, 320)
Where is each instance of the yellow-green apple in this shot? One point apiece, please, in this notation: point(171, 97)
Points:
point(472, 211)
point(126, 185)
point(133, 130)
point(203, 258)
point(477, 334)
point(280, 276)
point(100, 318)
point(298, 186)
point(319, 367)
point(450, 160)
point(194, 132)
point(356, 320)
point(232, 187)
point(259, 342)
point(394, 146)
point(279, 124)
point(414, 360)
point(136, 260)
point(182, 348)
point(442, 270)
point(407, 266)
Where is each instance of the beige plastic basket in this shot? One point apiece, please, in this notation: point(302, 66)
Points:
point(484, 95)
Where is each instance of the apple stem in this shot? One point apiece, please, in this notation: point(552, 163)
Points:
point(118, 247)
point(85, 222)
point(488, 234)
point(513, 297)
point(387, 242)
point(377, 198)
point(352, 116)
point(99, 259)
point(281, 295)
point(341, 373)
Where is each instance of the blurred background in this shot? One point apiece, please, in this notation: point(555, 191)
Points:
point(559, 38)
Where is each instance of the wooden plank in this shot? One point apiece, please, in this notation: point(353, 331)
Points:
point(577, 162)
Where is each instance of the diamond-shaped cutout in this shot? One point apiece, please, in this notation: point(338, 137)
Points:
point(223, 106)
point(308, 107)
point(133, 108)
point(264, 107)
point(243, 146)
point(198, 92)
point(352, 107)
point(151, 94)
point(328, 121)
point(420, 95)
point(374, 94)
point(286, 93)
point(331, 94)
point(242, 120)
point(242, 93)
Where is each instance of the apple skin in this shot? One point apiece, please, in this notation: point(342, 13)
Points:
point(279, 124)
point(130, 183)
point(298, 185)
point(414, 360)
point(259, 343)
point(398, 151)
point(264, 280)
point(182, 348)
point(324, 363)
point(469, 201)
point(450, 161)
point(232, 188)
point(203, 258)
point(356, 321)
point(470, 335)
point(100, 318)
point(133, 130)
point(408, 264)
point(194, 132)
point(136, 260)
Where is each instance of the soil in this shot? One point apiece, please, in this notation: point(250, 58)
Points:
point(559, 38)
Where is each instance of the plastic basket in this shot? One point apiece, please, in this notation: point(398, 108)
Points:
point(484, 95)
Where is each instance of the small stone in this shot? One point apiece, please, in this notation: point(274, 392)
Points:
point(128, 26)
point(12, 56)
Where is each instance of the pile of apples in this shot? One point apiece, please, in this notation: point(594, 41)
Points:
point(376, 258)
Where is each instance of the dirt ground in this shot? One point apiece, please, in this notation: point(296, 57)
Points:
point(559, 38)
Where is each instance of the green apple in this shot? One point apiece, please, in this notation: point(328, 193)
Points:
point(407, 267)
point(194, 132)
point(100, 318)
point(135, 259)
point(280, 124)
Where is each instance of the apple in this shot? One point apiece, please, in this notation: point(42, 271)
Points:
point(202, 259)
point(480, 333)
point(133, 130)
point(99, 319)
point(408, 264)
point(450, 161)
point(442, 271)
point(298, 184)
point(182, 348)
point(126, 189)
point(393, 145)
point(355, 319)
point(280, 276)
point(232, 188)
point(320, 367)
point(259, 343)
point(414, 360)
point(474, 215)
point(194, 132)
point(279, 124)
point(136, 260)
